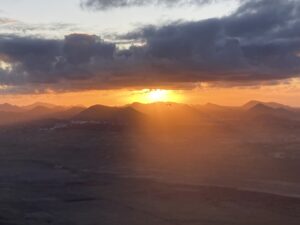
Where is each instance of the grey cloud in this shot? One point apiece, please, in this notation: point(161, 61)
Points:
point(260, 42)
point(41, 61)
point(110, 4)
point(250, 44)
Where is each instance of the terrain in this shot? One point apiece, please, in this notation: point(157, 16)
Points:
point(160, 163)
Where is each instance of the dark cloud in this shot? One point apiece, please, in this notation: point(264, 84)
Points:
point(40, 61)
point(110, 4)
point(260, 42)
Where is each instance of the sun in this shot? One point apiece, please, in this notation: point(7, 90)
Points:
point(155, 95)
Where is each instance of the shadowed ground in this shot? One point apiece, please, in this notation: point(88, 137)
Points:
point(118, 176)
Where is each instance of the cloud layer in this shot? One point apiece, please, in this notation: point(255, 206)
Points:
point(110, 4)
point(258, 42)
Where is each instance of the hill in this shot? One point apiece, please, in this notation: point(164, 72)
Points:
point(10, 108)
point(273, 105)
point(111, 115)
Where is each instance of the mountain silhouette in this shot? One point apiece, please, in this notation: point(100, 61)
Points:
point(10, 108)
point(42, 104)
point(105, 114)
point(273, 105)
point(160, 112)
point(263, 113)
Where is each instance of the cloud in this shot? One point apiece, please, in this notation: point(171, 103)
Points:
point(14, 27)
point(110, 4)
point(4, 21)
point(260, 42)
point(44, 61)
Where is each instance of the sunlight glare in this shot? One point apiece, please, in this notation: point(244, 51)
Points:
point(158, 95)
point(155, 95)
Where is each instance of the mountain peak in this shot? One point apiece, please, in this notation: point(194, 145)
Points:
point(260, 107)
point(6, 107)
point(41, 104)
point(273, 105)
point(101, 113)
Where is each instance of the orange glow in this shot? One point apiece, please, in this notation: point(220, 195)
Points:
point(155, 95)
point(158, 96)
point(287, 92)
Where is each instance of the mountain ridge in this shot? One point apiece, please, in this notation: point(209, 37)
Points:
point(161, 112)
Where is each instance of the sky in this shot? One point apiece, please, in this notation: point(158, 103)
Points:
point(114, 52)
point(75, 17)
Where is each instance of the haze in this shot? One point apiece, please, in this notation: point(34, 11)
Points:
point(145, 112)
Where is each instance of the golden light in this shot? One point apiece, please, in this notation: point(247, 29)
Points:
point(155, 95)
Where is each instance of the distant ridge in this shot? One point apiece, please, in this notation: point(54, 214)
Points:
point(273, 105)
point(260, 107)
point(119, 115)
point(159, 112)
point(41, 104)
point(6, 107)
point(267, 113)
point(215, 107)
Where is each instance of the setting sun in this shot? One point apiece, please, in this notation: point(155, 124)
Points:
point(155, 95)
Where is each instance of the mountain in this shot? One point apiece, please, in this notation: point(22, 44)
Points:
point(42, 104)
point(40, 110)
point(168, 112)
point(215, 107)
point(263, 112)
point(113, 115)
point(273, 105)
point(261, 108)
point(69, 113)
point(160, 113)
point(36, 113)
point(9, 108)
